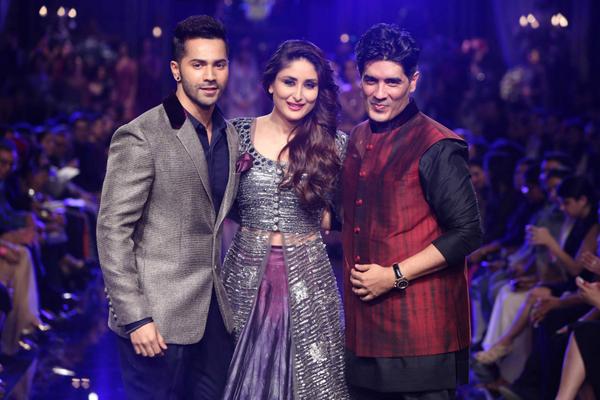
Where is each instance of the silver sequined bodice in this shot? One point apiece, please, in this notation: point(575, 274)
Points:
point(261, 204)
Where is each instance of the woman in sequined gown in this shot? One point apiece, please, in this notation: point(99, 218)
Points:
point(283, 294)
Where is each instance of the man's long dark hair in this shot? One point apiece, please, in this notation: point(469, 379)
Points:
point(312, 151)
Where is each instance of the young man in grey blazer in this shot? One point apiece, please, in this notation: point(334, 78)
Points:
point(170, 182)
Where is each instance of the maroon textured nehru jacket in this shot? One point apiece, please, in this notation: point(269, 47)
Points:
point(388, 219)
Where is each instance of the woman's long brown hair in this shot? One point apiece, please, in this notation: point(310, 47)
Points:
point(312, 150)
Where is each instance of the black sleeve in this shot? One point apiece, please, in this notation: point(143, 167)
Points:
point(446, 183)
point(137, 324)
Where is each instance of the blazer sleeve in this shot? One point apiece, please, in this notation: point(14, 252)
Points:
point(129, 177)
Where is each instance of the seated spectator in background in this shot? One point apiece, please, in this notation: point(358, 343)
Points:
point(101, 129)
point(500, 200)
point(50, 230)
point(523, 165)
point(15, 226)
point(582, 359)
point(536, 130)
point(487, 286)
point(578, 202)
point(541, 376)
point(47, 147)
point(572, 143)
point(557, 161)
point(65, 171)
point(551, 217)
point(17, 273)
point(526, 267)
point(502, 197)
point(18, 229)
point(532, 200)
point(63, 147)
point(89, 155)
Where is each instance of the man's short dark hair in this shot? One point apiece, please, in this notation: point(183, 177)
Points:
point(387, 42)
point(196, 26)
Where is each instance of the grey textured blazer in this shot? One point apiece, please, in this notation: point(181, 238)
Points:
point(159, 239)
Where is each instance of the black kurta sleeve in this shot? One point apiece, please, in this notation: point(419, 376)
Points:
point(446, 183)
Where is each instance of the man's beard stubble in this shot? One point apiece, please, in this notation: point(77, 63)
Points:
point(191, 91)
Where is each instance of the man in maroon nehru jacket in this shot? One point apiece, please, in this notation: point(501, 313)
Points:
point(410, 218)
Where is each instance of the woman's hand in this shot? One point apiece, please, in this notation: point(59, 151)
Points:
point(539, 236)
point(590, 262)
point(589, 291)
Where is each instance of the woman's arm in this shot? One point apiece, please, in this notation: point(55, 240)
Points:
point(542, 236)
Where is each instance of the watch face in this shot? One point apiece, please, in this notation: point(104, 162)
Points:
point(401, 284)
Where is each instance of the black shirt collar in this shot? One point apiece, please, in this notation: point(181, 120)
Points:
point(409, 111)
point(218, 122)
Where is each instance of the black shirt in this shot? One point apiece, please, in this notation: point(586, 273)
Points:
point(216, 153)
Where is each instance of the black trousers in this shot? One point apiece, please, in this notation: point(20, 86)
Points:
point(185, 372)
point(357, 393)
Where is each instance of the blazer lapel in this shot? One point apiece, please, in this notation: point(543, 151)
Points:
point(233, 178)
point(189, 139)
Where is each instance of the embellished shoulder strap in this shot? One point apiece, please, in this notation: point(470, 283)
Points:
point(341, 143)
point(242, 126)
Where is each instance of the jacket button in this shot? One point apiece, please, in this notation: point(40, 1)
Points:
point(359, 202)
point(356, 258)
point(357, 229)
point(370, 146)
point(362, 174)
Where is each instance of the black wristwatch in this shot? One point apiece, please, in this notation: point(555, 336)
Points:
point(401, 282)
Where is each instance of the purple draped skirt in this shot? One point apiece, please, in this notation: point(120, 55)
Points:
point(262, 364)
